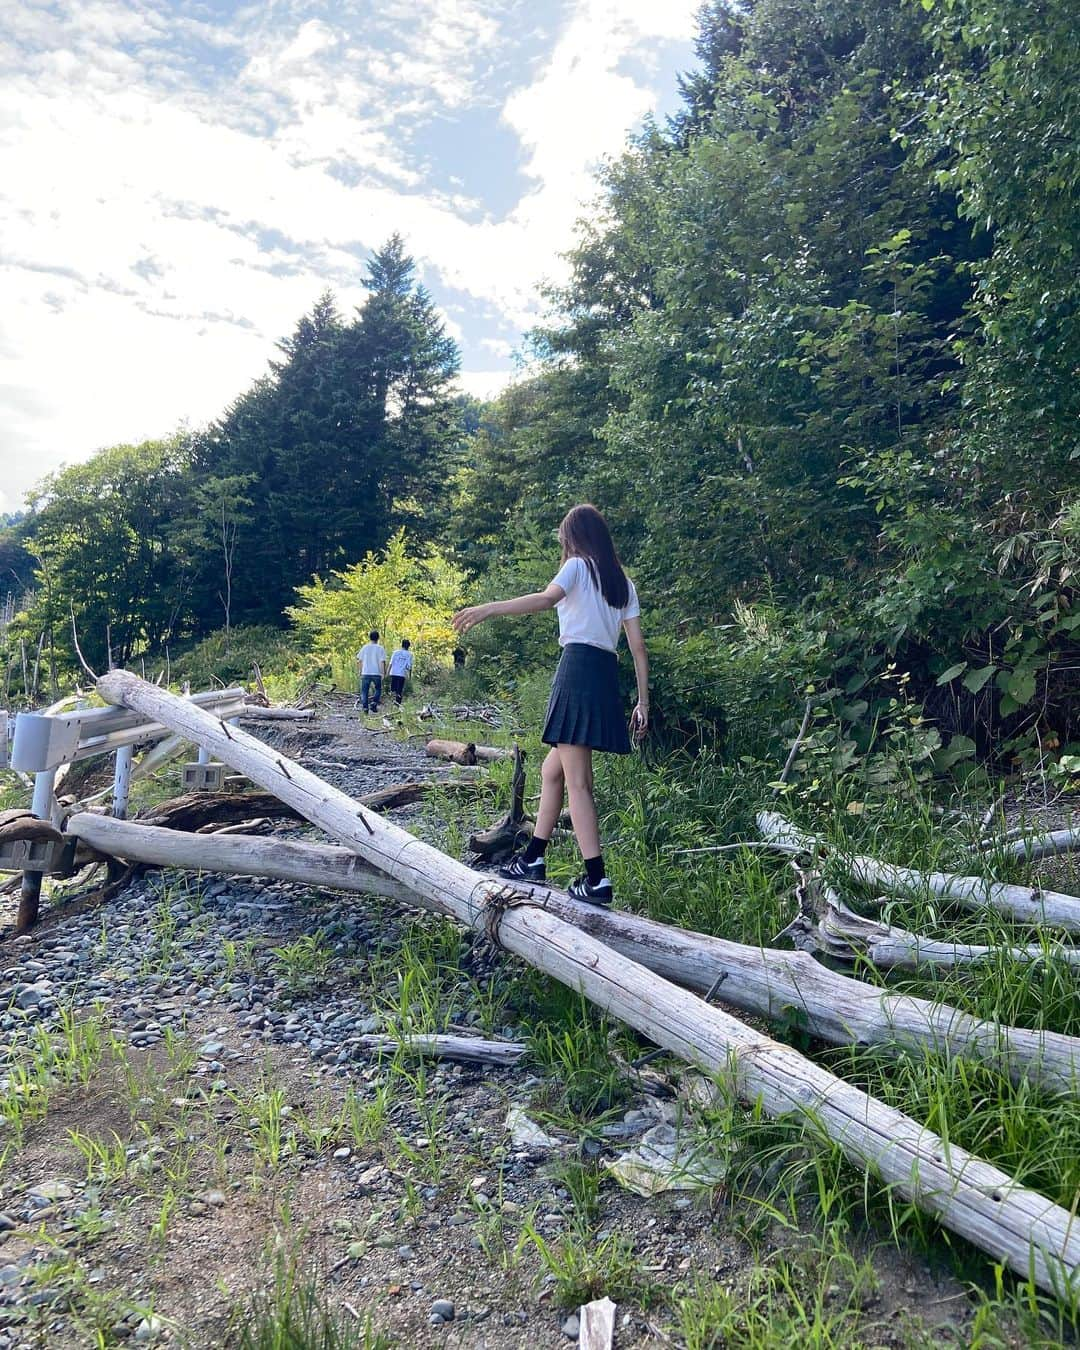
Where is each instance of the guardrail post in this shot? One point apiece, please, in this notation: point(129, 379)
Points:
point(204, 755)
point(30, 895)
point(122, 781)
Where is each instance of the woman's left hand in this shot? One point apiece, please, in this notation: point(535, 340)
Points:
point(465, 619)
point(639, 721)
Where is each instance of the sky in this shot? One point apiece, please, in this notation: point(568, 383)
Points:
point(180, 181)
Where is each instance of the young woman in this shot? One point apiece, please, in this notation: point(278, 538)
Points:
point(595, 599)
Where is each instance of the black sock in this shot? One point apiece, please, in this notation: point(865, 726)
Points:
point(534, 849)
point(594, 869)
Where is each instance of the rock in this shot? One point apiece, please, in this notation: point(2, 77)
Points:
point(406, 1253)
point(571, 1327)
point(7, 1223)
point(149, 1329)
point(51, 1190)
point(341, 1154)
point(443, 1309)
point(216, 1198)
point(211, 1049)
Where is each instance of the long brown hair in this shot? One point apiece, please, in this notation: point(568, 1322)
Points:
point(584, 534)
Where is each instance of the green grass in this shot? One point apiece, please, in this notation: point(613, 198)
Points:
point(291, 1313)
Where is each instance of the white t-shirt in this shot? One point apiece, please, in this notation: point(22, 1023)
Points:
point(401, 662)
point(584, 614)
point(371, 656)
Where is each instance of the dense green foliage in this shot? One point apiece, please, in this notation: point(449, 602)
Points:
point(816, 360)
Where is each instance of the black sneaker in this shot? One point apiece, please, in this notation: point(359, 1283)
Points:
point(601, 894)
point(517, 869)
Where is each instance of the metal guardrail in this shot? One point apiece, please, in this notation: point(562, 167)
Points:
point(43, 742)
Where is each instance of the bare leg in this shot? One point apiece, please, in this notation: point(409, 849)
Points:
point(552, 786)
point(577, 770)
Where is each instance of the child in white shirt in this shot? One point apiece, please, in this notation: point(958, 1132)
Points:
point(371, 659)
point(400, 669)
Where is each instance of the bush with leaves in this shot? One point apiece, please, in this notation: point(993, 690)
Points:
point(399, 593)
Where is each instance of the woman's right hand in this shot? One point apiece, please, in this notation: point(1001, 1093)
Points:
point(639, 721)
point(465, 619)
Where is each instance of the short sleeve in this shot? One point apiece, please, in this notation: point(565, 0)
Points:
point(568, 575)
point(632, 610)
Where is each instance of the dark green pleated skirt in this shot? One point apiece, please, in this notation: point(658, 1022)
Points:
point(585, 707)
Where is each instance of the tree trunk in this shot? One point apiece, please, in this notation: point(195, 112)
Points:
point(780, 986)
point(1022, 903)
point(462, 753)
point(1033, 1236)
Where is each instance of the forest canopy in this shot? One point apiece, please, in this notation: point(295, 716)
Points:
point(816, 360)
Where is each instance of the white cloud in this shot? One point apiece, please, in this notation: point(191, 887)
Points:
point(485, 383)
point(165, 219)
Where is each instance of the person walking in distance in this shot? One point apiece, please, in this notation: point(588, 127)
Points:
point(400, 669)
point(596, 602)
point(371, 658)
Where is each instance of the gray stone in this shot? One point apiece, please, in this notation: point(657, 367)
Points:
point(571, 1327)
point(51, 1190)
point(7, 1223)
point(443, 1309)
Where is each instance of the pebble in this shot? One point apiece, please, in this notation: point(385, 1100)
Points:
point(149, 1329)
point(571, 1327)
point(50, 1190)
point(443, 1309)
point(7, 1223)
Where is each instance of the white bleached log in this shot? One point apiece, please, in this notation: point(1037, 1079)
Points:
point(1015, 1225)
point(1049, 845)
point(777, 985)
point(825, 924)
point(255, 712)
point(1022, 903)
point(468, 1049)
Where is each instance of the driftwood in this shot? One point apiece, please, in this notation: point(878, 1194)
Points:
point(18, 825)
point(461, 752)
point(470, 1049)
point(781, 986)
point(195, 810)
point(255, 712)
point(1050, 845)
point(1022, 903)
point(1018, 1227)
point(496, 844)
point(825, 924)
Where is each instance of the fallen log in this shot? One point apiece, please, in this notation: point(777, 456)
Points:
point(1049, 845)
point(825, 924)
point(461, 752)
point(1036, 1238)
point(194, 810)
point(780, 986)
point(1022, 903)
point(456, 751)
point(468, 1049)
point(255, 712)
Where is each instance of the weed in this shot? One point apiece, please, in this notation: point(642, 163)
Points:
point(293, 1315)
point(302, 965)
point(584, 1269)
point(104, 1161)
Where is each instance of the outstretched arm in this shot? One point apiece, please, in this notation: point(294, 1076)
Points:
point(520, 604)
point(639, 718)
